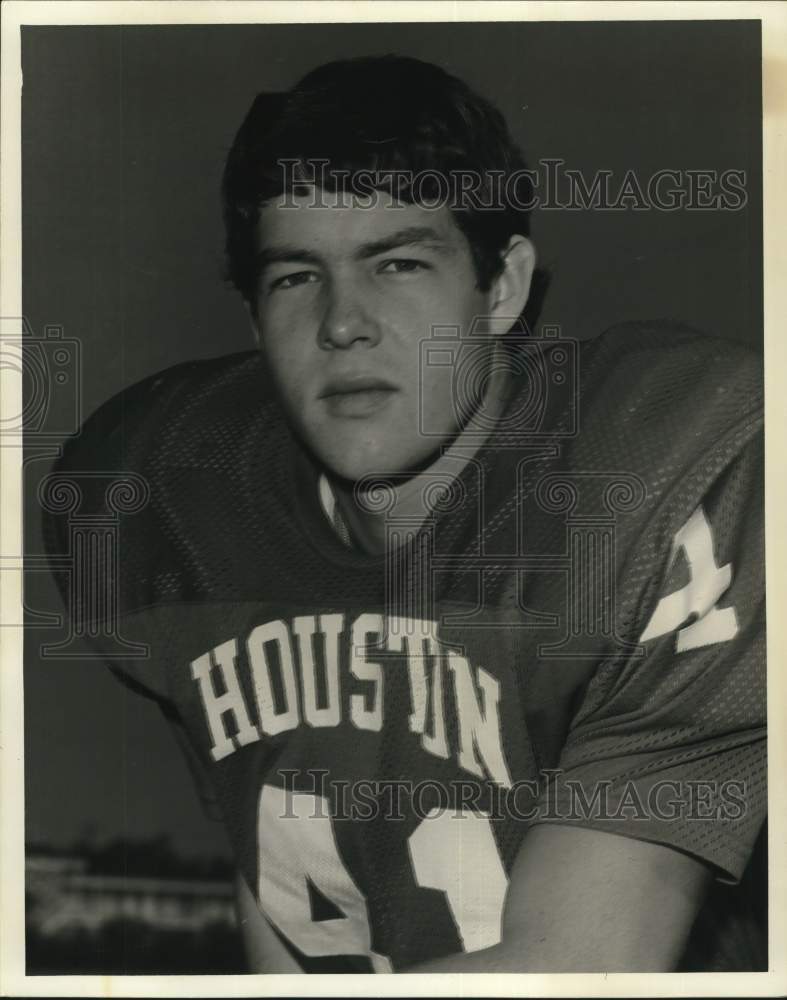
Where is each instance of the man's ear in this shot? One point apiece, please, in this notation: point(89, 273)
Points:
point(251, 312)
point(511, 288)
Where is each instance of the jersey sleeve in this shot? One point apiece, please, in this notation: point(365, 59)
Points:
point(668, 744)
point(197, 766)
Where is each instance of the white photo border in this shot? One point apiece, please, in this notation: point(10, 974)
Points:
point(13, 980)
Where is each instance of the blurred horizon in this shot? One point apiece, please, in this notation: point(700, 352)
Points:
point(129, 906)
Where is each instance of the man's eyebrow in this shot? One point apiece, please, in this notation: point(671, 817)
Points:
point(408, 236)
point(286, 255)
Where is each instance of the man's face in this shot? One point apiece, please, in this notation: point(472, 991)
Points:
point(346, 296)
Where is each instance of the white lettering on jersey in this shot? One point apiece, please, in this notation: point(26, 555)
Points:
point(435, 742)
point(222, 659)
point(305, 630)
point(366, 670)
point(272, 646)
point(479, 727)
point(707, 583)
point(271, 721)
point(414, 632)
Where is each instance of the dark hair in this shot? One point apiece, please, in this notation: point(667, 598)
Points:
point(378, 114)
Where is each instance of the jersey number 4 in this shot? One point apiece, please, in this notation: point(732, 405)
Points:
point(708, 581)
point(297, 845)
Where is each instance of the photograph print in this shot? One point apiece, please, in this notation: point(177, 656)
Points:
point(394, 518)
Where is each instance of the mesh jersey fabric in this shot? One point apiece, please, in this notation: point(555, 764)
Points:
point(584, 613)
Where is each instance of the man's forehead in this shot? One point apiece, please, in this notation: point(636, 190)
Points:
point(350, 219)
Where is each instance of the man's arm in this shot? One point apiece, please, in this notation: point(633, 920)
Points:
point(264, 950)
point(580, 900)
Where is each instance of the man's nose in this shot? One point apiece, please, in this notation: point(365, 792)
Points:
point(347, 319)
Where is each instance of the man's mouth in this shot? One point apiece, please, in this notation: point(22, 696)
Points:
point(356, 395)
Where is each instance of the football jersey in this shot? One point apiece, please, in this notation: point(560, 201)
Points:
point(575, 635)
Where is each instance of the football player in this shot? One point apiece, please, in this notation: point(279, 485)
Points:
point(461, 629)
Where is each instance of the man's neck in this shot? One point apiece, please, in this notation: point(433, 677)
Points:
point(367, 529)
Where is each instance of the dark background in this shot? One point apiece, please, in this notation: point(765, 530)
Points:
point(125, 130)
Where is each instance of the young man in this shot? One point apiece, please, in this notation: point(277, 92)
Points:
point(462, 630)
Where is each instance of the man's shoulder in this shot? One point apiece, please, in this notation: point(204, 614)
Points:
point(635, 377)
point(197, 443)
point(667, 355)
point(667, 386)
point(648, 390)
point(657, 411)
point(172, 416)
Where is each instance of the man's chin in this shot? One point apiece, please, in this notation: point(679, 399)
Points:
point(354, 472)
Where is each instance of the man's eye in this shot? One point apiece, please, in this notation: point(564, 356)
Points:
point(403, 266)
point(291, 280)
